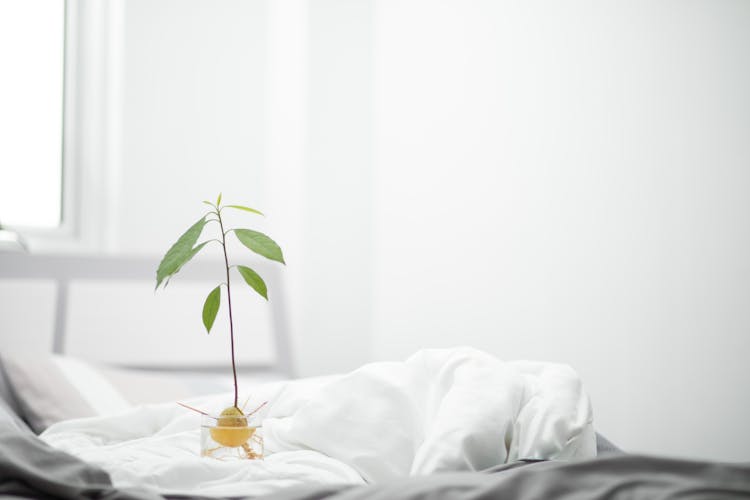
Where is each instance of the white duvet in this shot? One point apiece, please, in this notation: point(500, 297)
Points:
point(440, 410)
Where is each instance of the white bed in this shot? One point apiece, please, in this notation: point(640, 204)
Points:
point(386, 430)
point(440, 410)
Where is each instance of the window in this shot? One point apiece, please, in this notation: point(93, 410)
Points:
point(32, 47)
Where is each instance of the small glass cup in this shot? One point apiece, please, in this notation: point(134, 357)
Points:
point(232, 437)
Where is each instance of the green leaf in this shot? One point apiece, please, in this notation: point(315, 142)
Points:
point(211, 307)
point(260, 244)
point(181, 252)
point(195, 250)
point(254, 280)
point(193, 253)
point(246, 209)
point(218, 200)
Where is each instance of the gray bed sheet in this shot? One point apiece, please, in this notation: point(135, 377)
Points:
point(613, 477)
point(7, 397)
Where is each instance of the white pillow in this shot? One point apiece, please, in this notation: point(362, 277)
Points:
point(51, 388)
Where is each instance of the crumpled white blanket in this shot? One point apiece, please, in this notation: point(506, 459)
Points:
point(440, 410)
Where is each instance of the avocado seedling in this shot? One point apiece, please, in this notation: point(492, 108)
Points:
point(232, 429)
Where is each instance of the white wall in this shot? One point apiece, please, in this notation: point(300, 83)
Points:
point(270, 104)
point(568, 181)
point(338, 213)
point(192, 115)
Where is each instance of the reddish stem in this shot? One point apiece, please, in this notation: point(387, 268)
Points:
point(194, 409)
point(258, 408)
point(229, 301)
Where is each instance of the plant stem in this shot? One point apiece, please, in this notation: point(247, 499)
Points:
point(229, 301)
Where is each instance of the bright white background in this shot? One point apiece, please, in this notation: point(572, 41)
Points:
point(31, 111)
point(564, 181)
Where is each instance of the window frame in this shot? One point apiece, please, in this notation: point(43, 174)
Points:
point(90, 130)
